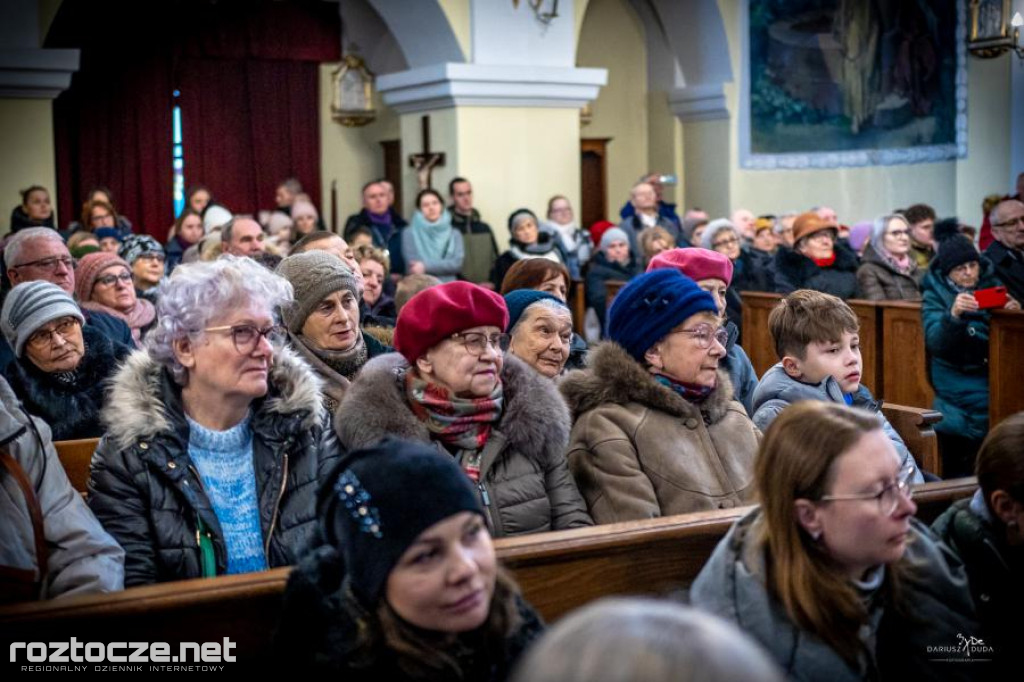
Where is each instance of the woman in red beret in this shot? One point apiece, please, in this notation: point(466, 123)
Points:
point(450, 384)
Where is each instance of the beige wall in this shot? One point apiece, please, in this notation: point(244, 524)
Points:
point(612, 37)
point(514, 157)
point(351, 156)
point(665, 144)
point(953, 187)
point(26, 138)
point(444, 128)
point(706, 166)
point(459, 17)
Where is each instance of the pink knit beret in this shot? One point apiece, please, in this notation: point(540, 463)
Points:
point(695, 263)
point(436, 313)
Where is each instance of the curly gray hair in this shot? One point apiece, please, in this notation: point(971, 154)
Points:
point(197, 293)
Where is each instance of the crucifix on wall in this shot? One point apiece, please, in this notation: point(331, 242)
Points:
point(426, 160)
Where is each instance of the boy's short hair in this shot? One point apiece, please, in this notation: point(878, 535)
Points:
point(410, 285)
point(807, 316)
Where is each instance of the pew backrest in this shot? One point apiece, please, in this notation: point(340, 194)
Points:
point(76, 455)
point(1006, 365)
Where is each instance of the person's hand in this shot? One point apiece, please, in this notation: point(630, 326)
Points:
point(1011, 303)
point(964, 303)
point(416, 267)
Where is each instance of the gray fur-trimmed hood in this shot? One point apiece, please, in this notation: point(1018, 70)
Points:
point(136, 406)
point(612, 376)
point(534, 420)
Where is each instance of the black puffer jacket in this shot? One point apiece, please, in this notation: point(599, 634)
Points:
point(792, 270)
point(70, 407)
point(147, 493)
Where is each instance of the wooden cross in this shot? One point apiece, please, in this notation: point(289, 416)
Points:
point(426, 160)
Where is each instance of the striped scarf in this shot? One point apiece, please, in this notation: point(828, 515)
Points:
point(464, 423)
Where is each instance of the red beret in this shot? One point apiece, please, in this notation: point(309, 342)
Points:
point(598, 229)
point(695, 263)
point(434, 314)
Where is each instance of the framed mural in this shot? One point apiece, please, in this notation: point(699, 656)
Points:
point(834, 83)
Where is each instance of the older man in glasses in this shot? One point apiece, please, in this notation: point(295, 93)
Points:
point(1007, 251)
point(39, 254)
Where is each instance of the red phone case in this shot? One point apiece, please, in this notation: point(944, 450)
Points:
point(994, 297)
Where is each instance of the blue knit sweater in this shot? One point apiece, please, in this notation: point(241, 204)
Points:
point(224, 461)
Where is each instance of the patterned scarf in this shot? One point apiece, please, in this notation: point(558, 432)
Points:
point(691, 393)
point(464, 423)
point(140, 315)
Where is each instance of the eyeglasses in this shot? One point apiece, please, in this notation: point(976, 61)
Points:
point(48, 264)
point(111, 280)
point(1019, 220)
point(725, 242)
point(703, 333)
point(42, 339)
point(152, 256)
point(899, 233)
point(247, 336)
point(888, 498)
point(477, 342)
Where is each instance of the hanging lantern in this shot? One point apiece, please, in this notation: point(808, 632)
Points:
point(352, 104)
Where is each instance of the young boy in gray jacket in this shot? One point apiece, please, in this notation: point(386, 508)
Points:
point(816, 337)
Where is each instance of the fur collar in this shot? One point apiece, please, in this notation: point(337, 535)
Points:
point(137, 407)
point(612, 376)
point(535, 421)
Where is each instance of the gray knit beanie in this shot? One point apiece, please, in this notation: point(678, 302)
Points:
point(314, 275)
point(713, 228)
point(29, 306)
point(612, 234)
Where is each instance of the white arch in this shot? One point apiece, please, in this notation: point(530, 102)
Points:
point(422, 31)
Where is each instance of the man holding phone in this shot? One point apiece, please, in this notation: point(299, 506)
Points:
point(1007, 251)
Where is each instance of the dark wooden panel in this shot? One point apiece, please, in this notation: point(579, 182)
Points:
point(1006, 365)
point(904, 362)
point(915, 426)
point(870, 341)
point(392, 150)
point(757, 338)
point(594, 180)
point(76, 456)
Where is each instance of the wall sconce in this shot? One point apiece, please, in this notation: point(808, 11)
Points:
point(586, 114)
point(990, 34)
point(352, 103)
point(543, 17)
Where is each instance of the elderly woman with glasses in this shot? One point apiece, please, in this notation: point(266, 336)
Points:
point(819, 260)
point(104, 283)
point(450, 385)
point(888, 271)
point(62, 365)
point(657, 430)
point(216, 436)
point(832, 574)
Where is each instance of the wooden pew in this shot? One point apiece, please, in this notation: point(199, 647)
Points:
point(757, 339)
point(1005, 365)
point(868, 314)
point(915, 426)
point(558, 572)
point(76, 455)
point(904, 363)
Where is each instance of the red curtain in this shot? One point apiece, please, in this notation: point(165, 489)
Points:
point(247, 73)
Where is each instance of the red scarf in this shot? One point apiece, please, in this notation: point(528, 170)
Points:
point(825, 262)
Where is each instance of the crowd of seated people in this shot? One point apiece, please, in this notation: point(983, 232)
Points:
point(269, 393)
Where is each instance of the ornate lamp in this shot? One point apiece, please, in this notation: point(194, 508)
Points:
point(352, 104)
point(990, 33)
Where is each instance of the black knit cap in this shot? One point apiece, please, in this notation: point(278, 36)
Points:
point(379, 499)
point(956, 250)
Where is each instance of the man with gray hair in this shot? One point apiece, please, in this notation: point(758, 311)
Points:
point(242, 237)
point(39, 253)
point(1007, 251)
point(665, 209)
point(645, 205)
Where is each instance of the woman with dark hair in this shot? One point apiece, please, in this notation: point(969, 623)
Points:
point(406, 586)
point(199, 198)
point(186, 232)
point(832, 574)
point(526, 240)
point(35, 209)
point(98, 211)
point(430, 245)
point(987, 533)
point(541, 274)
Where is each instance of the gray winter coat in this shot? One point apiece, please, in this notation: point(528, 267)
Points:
point(83, 558)
point(778, 390)
point(732, 585)
point(880, 281)
point(740, 369)
point(525, 485)
point(147, 493)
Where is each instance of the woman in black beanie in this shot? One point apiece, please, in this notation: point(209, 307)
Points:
point(406, 584)
point(956, 338)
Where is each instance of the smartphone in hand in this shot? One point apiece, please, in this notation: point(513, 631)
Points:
point(993, 297)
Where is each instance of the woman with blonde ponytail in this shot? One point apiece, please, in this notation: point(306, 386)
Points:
point(831, 573)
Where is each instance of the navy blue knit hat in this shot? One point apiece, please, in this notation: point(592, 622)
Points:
point(378, 501)
point(647, 309)
point(521, 299)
